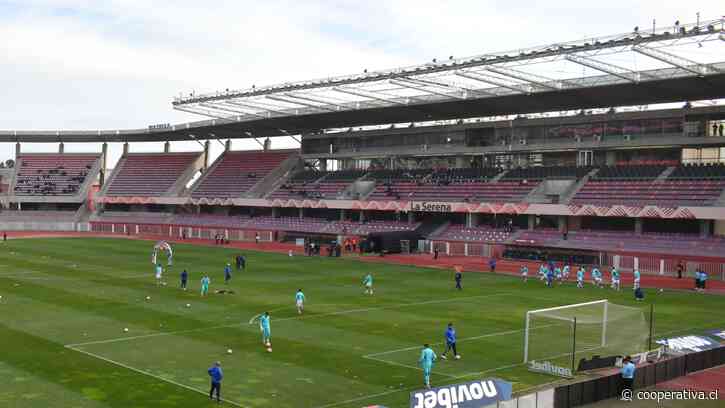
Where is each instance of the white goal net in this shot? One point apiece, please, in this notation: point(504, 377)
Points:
point(565, 334)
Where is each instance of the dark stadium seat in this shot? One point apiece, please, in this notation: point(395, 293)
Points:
point(235, 173)
point(53, 174)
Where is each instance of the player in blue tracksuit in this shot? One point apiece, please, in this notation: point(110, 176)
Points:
point(227, 273)
point(426, 360)
point(184, 278)
point(450, 342)
point(216, 375)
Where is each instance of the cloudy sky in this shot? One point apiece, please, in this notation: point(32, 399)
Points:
point(113, 64)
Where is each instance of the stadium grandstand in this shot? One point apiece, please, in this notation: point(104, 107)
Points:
point(487, 155)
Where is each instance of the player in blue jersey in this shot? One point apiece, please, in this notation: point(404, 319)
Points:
point(557, 274)
point(227, 273)
point(300, 301)
point(264, 327)
point(368, 284)
point(205, 281)
point(543, 270)
point(580, 276)
point(549, 276)
point(596, 277)
point(616, 279)
point(636, 279)
point(427, 358)
point(565, 271)
point(524, 272)
point(450, 342)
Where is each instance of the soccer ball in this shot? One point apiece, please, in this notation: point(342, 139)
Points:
point(188, 305)
point(229, 351)
point(148, 297)
point(458, 357)
point(269, 349)
point(125, 329)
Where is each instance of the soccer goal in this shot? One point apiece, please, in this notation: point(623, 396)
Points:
point(603, 328)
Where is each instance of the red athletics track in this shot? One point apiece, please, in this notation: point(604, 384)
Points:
point(469, 264)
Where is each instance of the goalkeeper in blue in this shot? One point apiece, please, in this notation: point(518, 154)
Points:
point(451, 342)
point(427, 358)
point(300, 301)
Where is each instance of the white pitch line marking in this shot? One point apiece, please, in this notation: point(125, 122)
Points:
point(303, 317)
point(128, 367)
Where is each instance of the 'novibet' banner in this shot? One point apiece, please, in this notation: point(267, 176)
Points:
point(474, 394)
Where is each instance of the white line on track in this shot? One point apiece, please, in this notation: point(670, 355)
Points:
point(303, 317)
point(128, 367)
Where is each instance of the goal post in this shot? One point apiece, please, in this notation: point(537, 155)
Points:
point(583, 329)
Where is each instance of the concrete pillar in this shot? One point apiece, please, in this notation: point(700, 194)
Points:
point(228, 145)
point(532, 222)
point(206, 155)
point(705, 228)
point(302, 213)
point(637, 225)
point(104, 163)
point(125, 148)
point(61, 148)
point(275, 212)
point(323, 164)
point(362, 216)
point(411, 217)
point(461, 162)
point(167, 147)
point(472, 219)
point(611, 158)
point(343, 215)
point(17, 150)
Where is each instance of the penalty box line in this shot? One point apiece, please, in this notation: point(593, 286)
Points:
point(146, 373)
point(303, 317)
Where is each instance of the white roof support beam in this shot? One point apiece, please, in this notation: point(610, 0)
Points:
point(675, 60)
point(369, 94)
point(310, 98)
point(231, 110)
point(605, 67)
point(256, 107)
point(422, 88)
point(493, 81)
point(288, 99)
point(206, 112)
point(464, 92)
point(537, 80)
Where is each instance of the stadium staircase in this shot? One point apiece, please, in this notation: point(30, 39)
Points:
point(567, 196)
point(663, 176)
point(276, 177)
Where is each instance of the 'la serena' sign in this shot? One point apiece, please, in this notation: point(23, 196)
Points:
point(425, 206)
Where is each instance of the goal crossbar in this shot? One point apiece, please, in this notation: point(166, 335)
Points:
point(604, 303)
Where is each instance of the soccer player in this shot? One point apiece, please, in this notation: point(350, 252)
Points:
point(227, 273)
point(216, 374)
point(549, 276)
point(427, 358)
point(450, 342)
point(557, 274)
point(266, 330)
point(580, 277)
point(565, 271)
point(636, 279)
point(368, 283)
point(543, 270)
point(300, 301)
point(616, 279)
point(525, 273)
point(596, 277)
point(205, 281)
point(458, 277)
point(184, 277)
point(159, 272)
point(492, 264)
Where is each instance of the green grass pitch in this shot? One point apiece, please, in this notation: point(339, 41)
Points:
point(65, 304)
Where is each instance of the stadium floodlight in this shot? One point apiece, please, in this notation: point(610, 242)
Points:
point(567, 331)
point(675, 60)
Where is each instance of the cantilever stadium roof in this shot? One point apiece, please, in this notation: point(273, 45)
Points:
point(628, 69)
